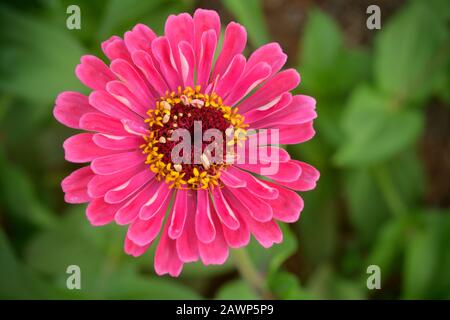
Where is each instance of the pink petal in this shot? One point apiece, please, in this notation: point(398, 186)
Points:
point(129, 187)
point(179, 213)
point(136, 128)
point(224, 211)
point(130, 210)
point(270, 154)
point(106, 103)
point(231, 75)
point(286, 171)
point(81, 148)
point(100, 213)
point(258, 152)
point(101, 184)
point(155, 201)
point(102, 123)
point(131, 77)
point(287, 206)
point(139, 38)
point(292, 134)
point(143, 232)
point(75, 185)
point(247, 83)
point(134, 249)
point(237, 238)
point(204, 64)
point(273, 88)
point(163, 54)
point(145, 63)
point(117, 162)
point(178, 29)
point(258, 209)
point(307, 180)
point(277, 105)
point(166, 256)
point(216, 251)
point(204, 226)
point(121, 92)
point(301, 110)
point(271, 54)
point(204, 20)
point(70, 107)
point(111, 142)
point(93, 72)
point(233, 44)
point(232, 181)
point(115, 48)
point(187, 247)
point(256, 186)
point(266, 233)
point(187, 63)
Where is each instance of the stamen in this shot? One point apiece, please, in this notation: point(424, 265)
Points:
point(205, 161)
point(166, 105)
point(169, 114)
point(184, 100)
point(198, 103)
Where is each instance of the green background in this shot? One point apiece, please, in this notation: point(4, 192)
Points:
point(382, 146)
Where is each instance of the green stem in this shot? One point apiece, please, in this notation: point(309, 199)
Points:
point(390, 193)
point(249, 273)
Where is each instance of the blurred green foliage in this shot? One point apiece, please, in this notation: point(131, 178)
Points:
point(367, 209)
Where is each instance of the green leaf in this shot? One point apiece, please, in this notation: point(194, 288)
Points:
point(18, 195)
point(388, 247)
point(367, 208)
point(129, 285)
point(346, 289)
point(440, 8)
point(421, 259)
point(322, 42)
point(236, 290)
point(323, 58)
point(441, 278)
point(368, 204)
point(73, 241)
point(250, 14)
point(280, 253)
point(287, 286)
point(269, 260)
point(120, 16)
point(327, 128)
point(52, 252)
point(408, 176)
point(318, 224)
point(106, 272)
point(411, 51)
point(39, 61)
point(374, 130)
point(326, 283)
point(18, 282)
point(199, 270)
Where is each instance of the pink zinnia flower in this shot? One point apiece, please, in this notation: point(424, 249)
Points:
point(155, 85)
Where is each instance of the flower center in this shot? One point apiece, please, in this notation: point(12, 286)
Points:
point(191, 137)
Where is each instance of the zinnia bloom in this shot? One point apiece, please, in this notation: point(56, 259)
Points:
point(156, 85)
